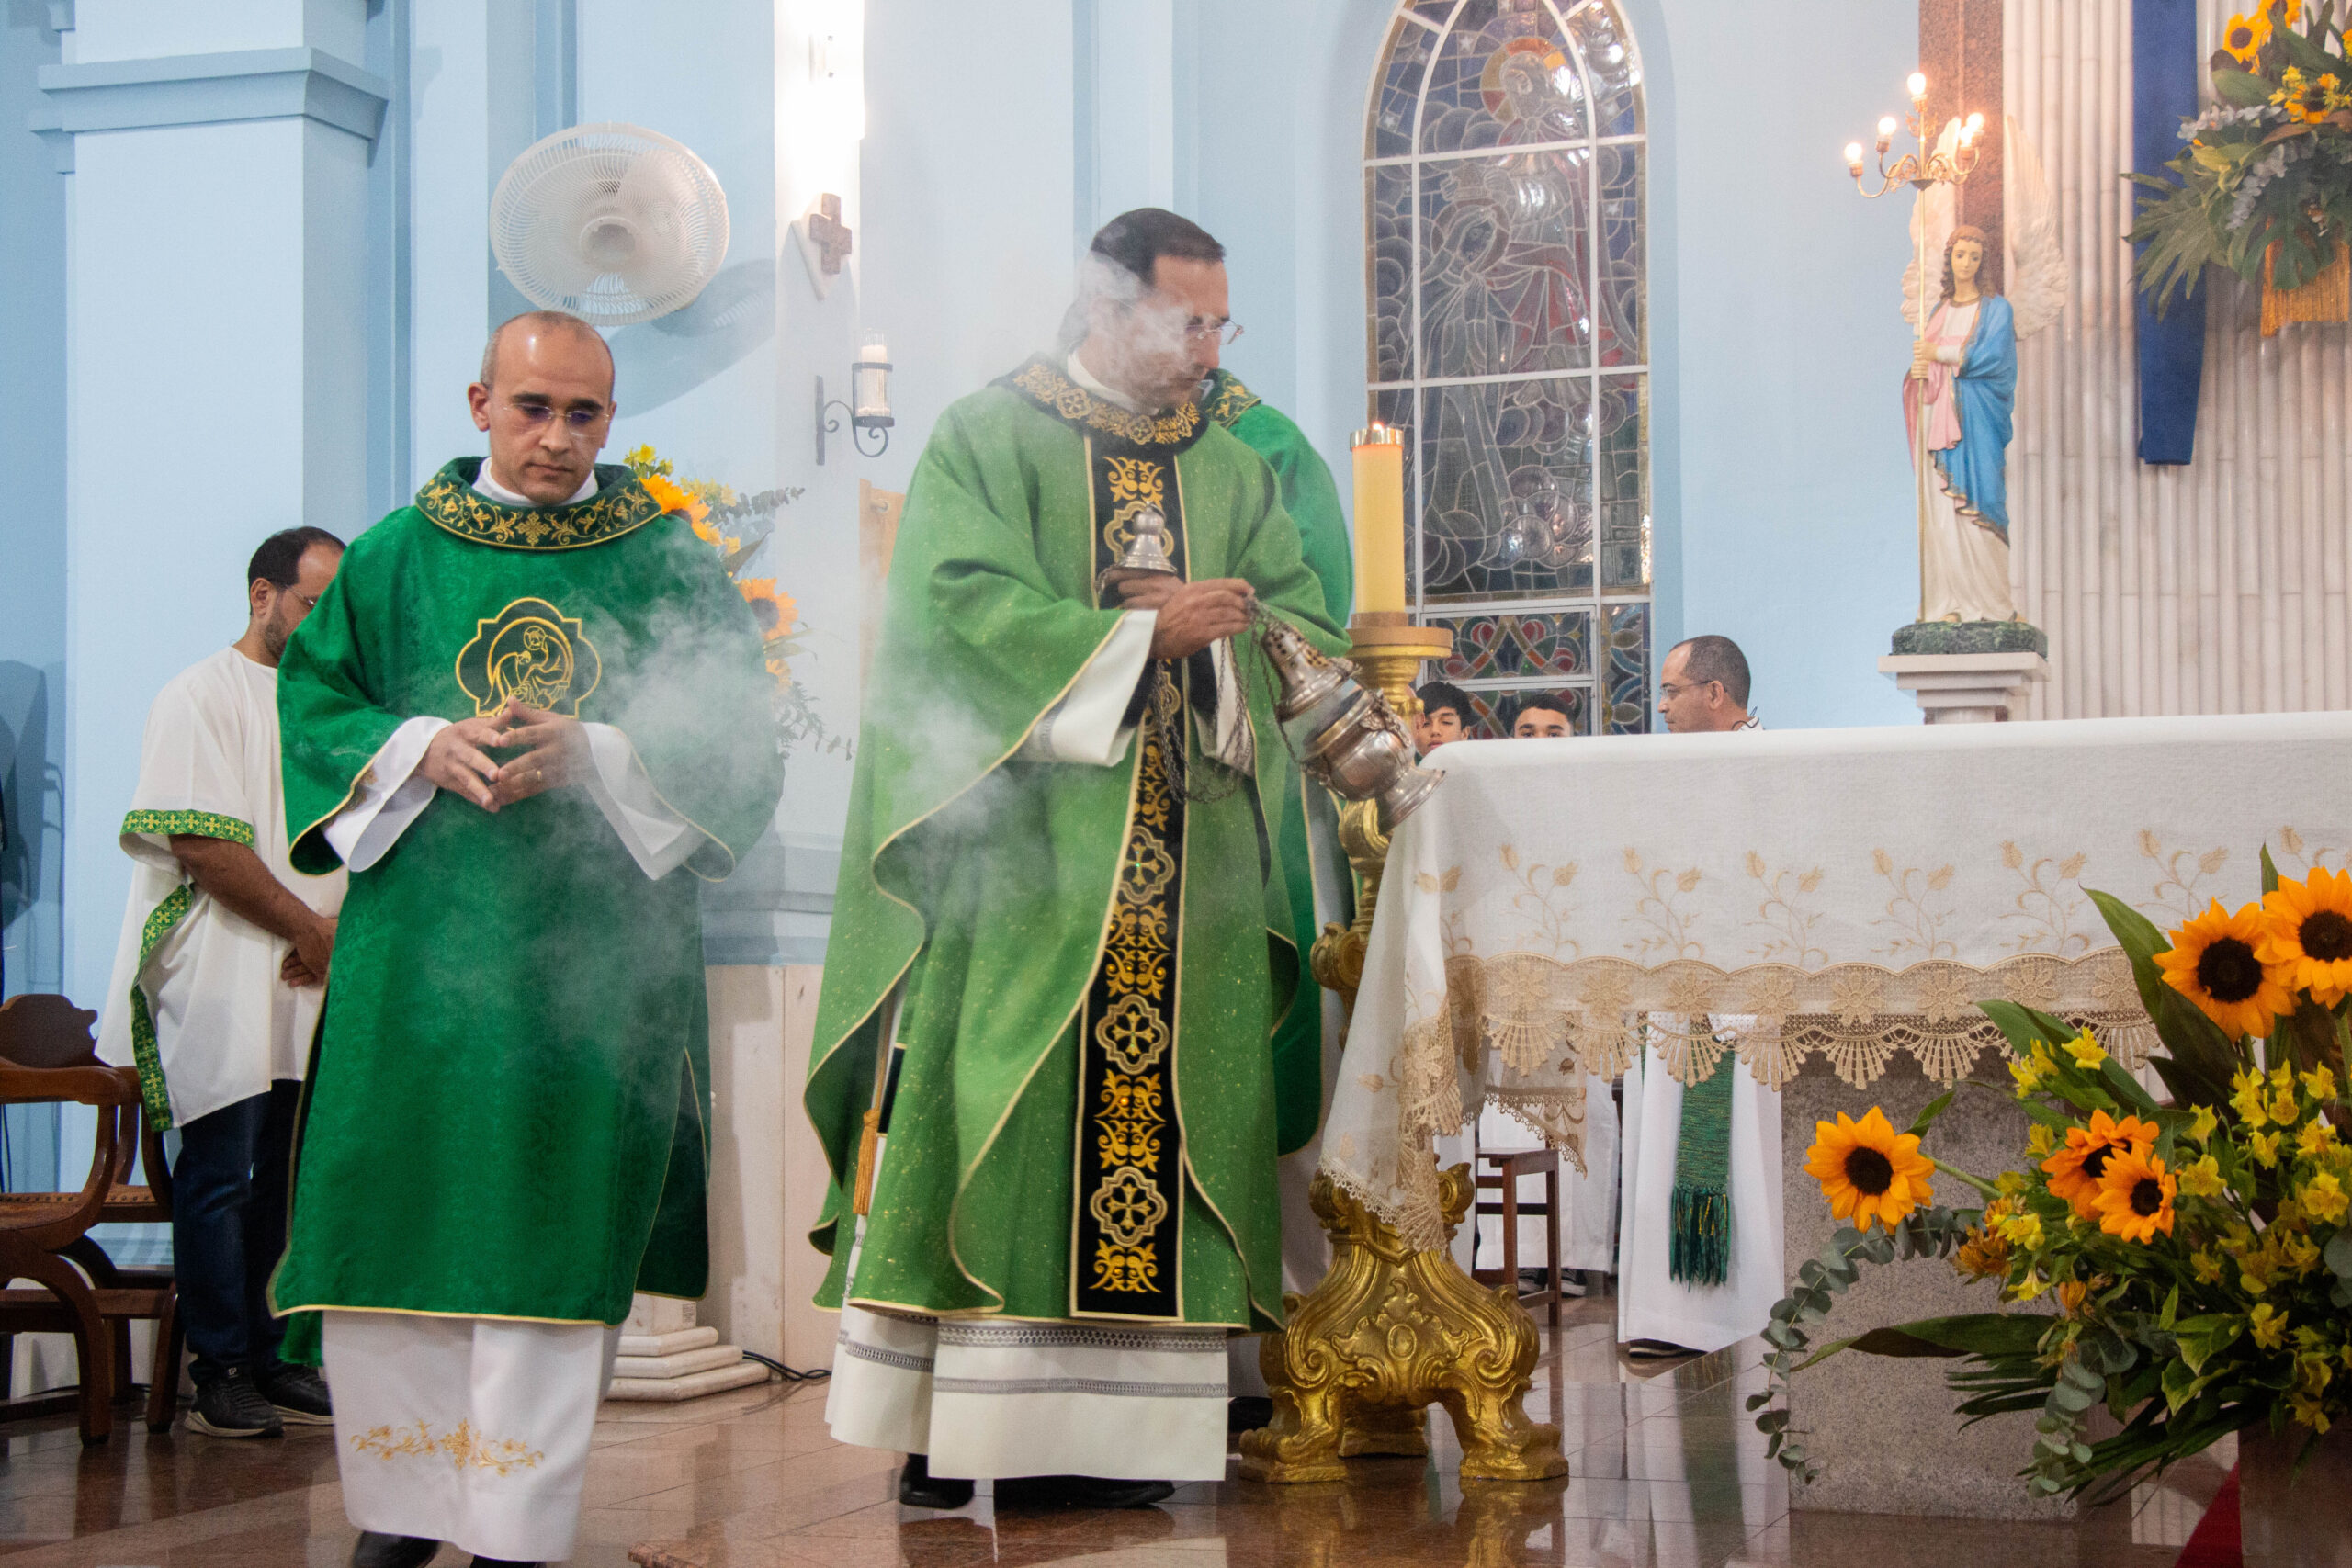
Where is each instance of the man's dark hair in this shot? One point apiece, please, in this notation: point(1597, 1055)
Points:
point(1547, 702)
point(1134, 241)
point(1436, 695)
point(279, 562)
point(1716, 659)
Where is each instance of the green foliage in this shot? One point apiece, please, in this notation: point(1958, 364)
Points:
point(2240, 188)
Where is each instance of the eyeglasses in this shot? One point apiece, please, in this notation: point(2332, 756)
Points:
point(577, 422)
point(309, 601)
point(1206, 332)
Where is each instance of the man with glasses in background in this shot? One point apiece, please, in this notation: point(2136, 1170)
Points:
point(217, 984)
point(1699, 1222)
point(530, 718)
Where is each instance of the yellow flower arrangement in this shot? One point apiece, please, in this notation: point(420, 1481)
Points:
point(2216, 962)
point(2199, 1245)
point(1868, 1170)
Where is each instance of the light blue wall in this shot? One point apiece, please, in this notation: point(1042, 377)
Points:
point(32, 526)
point(1797, 539)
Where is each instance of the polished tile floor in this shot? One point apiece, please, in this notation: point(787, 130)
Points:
point(1665, 1474)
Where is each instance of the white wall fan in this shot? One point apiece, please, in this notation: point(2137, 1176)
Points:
point(613, 222)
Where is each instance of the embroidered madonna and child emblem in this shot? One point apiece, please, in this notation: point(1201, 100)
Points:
point(529, 652)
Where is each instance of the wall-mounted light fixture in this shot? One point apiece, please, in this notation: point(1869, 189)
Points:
point(869, 400)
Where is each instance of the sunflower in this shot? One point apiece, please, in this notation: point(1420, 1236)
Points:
point(1867, 1169)
point(2305, 99)
point(2076, 1171)
point(2243, 37)
point(773, 609)
point(2309, 934)
point(2135, 1196)
point(2216, 962)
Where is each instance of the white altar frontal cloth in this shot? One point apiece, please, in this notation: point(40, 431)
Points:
point(1854, 891)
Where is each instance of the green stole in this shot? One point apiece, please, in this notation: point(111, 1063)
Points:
point(1700, 1251)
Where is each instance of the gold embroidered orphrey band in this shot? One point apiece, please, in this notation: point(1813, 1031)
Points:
point(1126, 1236)
point(451, 502)
point(1073, 404)
point(1231, 401)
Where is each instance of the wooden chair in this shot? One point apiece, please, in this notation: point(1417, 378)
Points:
point(1498, 1171)
point(47, 1055)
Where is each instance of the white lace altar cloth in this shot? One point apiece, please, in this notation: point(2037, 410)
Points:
point(1851, 892)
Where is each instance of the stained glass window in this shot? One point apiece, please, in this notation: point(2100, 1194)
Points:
point(1504, 156)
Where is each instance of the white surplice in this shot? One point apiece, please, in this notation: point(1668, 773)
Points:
point(223, 1024)
point(475, 1430)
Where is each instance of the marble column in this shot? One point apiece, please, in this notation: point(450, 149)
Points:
point(216, 306)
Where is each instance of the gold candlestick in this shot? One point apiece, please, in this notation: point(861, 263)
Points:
point(1391, 1331)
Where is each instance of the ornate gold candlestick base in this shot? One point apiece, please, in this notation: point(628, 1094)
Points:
point(1389, 1331)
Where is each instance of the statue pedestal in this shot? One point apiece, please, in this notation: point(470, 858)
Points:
point(1964, 688)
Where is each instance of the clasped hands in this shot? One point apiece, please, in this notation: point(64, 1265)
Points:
point(554, 753)
point(1191, 615)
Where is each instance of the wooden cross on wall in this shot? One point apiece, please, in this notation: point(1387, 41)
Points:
point(831, 235)
point(1960, 53)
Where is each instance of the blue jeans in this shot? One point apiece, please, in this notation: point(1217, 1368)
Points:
point(229, 1190)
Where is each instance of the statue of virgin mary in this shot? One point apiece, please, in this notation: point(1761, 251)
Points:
point(1956, 405)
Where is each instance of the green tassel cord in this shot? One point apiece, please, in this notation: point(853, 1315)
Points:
point(1700, 1251)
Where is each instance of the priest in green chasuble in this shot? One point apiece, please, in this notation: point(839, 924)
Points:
point(1043, 1071)
point(530, 718)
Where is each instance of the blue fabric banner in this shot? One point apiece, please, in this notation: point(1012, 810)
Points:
point(2164, 70)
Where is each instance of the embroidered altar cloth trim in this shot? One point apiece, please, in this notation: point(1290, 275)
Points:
point(1560, 905)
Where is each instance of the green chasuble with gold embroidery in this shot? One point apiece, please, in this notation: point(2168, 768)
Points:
point(1311, 828)
point(506, 1107)
point(1088, 963)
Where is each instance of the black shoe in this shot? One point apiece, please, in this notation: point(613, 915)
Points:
point(377, 1550)
point(231, 1406)
point(1656, 1350)
point(1080, 1492)
point(299, 1394)
point(1247, 1414)
point(504, 1562)
point(918, 1488)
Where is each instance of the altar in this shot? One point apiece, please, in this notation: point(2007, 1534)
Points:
point(1828, 906)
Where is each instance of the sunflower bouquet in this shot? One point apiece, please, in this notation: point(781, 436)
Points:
point(738, 527)
point(2265, 184)
point(2184, 1264)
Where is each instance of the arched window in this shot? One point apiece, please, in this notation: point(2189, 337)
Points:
point(1503, 194)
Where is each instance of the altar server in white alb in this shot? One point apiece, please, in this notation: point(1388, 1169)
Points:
point(218, 980)
point(1699, 1220)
